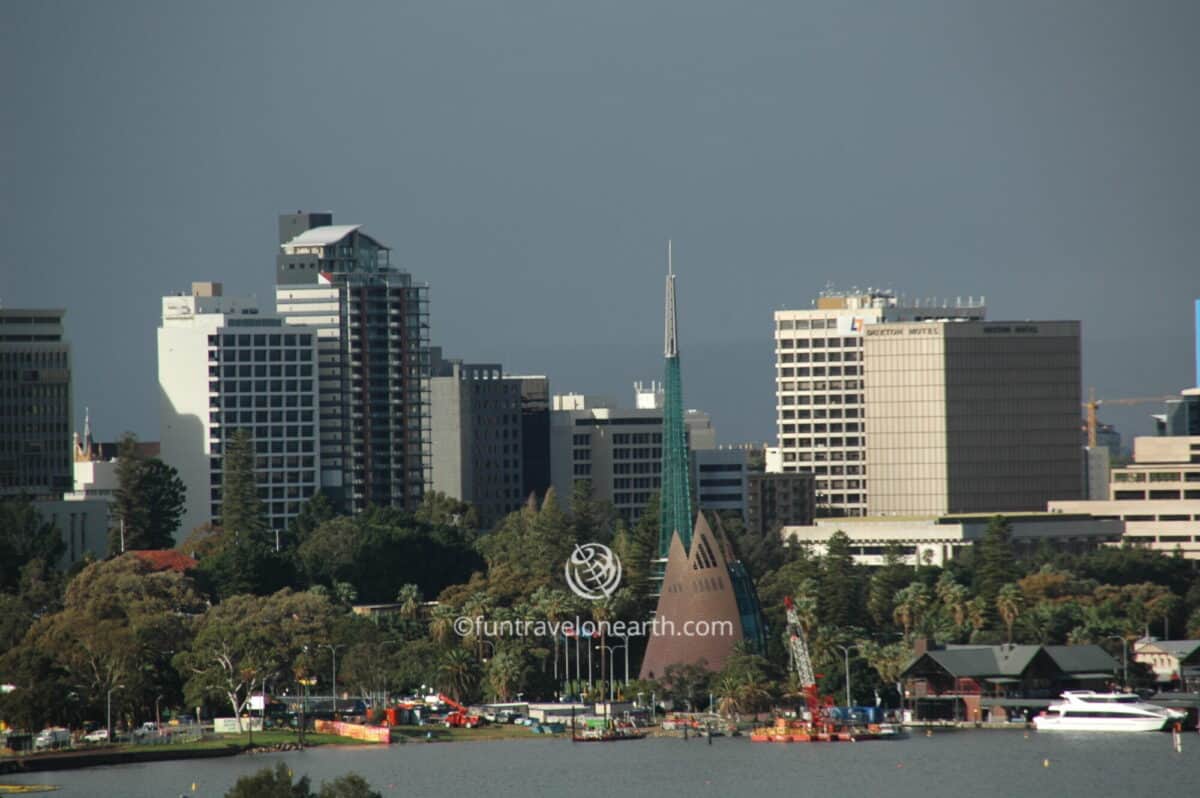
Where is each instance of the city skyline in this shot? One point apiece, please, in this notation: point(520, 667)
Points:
point(1041, 159)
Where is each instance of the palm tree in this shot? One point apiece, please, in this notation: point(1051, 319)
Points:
point(911, 603)
point(1009, 602)
point(441, 623)
point(953, 597)
point(555, 606)
point(505, 674)
point(477, 606)
point(805, 603)
point(458, 674)
point(409, 598)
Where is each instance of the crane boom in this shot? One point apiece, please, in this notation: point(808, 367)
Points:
point(798, 646)
point(1092, 404)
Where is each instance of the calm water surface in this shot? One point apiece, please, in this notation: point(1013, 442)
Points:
point(952, 764)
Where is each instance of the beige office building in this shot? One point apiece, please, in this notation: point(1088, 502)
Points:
point(819, 398)
point(1157, 495)
point(971, 416)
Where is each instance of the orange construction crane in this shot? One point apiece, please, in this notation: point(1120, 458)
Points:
point(1093, 403)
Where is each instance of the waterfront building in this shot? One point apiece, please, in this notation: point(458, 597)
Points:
point(35, 403)
point(223, 366)
point(935, 540)
point(478, 437)
point(979, 683)
point(1176, 663)
point(372, 327)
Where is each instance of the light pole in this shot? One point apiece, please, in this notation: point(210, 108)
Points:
point(846, 652)
point(1124, 660)
point(157, 717)
point(108, 721)
point(612, 656)
point(333, 683)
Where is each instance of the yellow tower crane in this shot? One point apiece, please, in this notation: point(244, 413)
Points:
point(1093, 403)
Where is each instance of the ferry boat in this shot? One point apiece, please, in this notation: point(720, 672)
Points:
point(1086, 710)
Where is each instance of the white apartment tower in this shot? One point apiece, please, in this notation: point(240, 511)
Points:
point(372, 323)
point(819, 391)
point(222, 366)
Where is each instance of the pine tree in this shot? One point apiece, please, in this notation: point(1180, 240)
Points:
point(995, 563)
point(841, 587)
point(242, 513)
point(148, 503)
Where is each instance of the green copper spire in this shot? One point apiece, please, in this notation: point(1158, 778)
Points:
point(675, 508)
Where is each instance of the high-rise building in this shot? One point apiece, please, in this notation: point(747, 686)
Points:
point(223, 366)
point(478, 436)
point(720, 477)
point(819, 386)
point(35, 404)
point(372, 323)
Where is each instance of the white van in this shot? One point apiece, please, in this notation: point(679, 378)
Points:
point(51, 738)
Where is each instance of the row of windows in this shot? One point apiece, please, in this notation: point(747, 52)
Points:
point(819, 357)
point(720, 483)
point(639, 499)
point(818, 343)
point(636, 468)
point(817, 371)
point(267, 431)
point(810, 442)
point(259, 355)
point(1137, 495)
point(260, 417)
point(833, 412)
point(638, 453)
point(245, 372)
point(850, 426)
point(808, 324)
point(625, 438)
point(639, 482)
point(820, 385)
point(261, 400)
point(821, 399)
point(821, 457)
point(261, 339)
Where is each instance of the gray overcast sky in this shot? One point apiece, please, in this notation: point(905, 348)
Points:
point(530, 159)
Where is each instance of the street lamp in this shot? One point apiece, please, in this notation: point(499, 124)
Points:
point(333, 682)
point(1124, 660)
point(108, 721)
point(612, 656)
point(157, 717)
point(846, 652)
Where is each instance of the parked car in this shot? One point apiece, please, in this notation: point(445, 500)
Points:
point(97, 736)
point(51, 738)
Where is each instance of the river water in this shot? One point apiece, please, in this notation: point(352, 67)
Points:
point(973, 763)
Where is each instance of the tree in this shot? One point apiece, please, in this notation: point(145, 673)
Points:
point(120, 621)
point(277, 783)
point(591, 519)
point(246, 640)
point(438, 509)
point(148, 503)
point(840, 602)
point(314, 512)
point(885, 583)
point(911, 604)
point(506, 674)
point(1009, 602)
point(995, 562)
point(458, 674)
point(242, 511)
point(25, 537)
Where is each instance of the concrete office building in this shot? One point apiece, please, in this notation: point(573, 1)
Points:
point(819, 387)
point(222, 366)
point(477, 436)
point(721, 476)
point(970, 416)
point(1157, 496)
point(35, 404)
point(776, 500)
point(620, 450)
point(372, 323)
point(935, 540)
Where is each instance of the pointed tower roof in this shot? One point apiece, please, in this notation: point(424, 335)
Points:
point(675, 501)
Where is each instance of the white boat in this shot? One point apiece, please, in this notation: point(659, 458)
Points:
point(1086, 710)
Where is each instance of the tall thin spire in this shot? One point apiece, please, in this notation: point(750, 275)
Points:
point(675, 498)
point(670, 341)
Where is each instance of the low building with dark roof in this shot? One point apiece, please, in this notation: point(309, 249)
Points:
point(1176, 663)
point(999, 682)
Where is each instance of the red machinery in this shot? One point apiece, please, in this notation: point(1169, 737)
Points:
point(461, 717)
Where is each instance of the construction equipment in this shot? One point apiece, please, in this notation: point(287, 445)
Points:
point(1093, 403)
point(461, 717)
